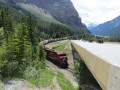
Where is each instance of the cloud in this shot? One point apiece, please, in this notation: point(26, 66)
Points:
point(97, 11)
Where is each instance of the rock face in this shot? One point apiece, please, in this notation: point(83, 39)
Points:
point(110, 28)
point(7, 1)
point(61, 10)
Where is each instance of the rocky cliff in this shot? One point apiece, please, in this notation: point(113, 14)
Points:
point(62, 10)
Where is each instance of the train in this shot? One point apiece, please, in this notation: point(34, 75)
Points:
point(57, 57)
point(52, 40)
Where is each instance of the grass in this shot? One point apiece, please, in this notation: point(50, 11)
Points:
point(61, 47)
point(38, 14)
point(1, 86)
point(45, 79)
point(64, 83)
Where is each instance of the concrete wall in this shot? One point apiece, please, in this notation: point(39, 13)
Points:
point(106, 74)
point(88, 78)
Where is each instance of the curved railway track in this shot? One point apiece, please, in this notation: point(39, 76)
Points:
point(70, 70)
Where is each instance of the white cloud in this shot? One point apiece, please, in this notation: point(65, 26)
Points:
point(97, 11)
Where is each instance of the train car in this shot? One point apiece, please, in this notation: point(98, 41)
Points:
point(57, 57)
point(52, 40)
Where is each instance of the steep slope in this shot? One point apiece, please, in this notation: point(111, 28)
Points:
point(110, 28)
point(7, 1)
point(62, 10)
point(38, 12)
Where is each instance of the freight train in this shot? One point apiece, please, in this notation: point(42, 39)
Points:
point(57, 57)
point(54, 56)
point(52, 40)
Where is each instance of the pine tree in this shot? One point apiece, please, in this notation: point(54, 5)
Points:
point(42, 56)
point(23, 42)
point(6, 22)
point(32, 30)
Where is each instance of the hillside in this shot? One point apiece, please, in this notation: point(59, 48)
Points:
point(61, 10)
point(110, 28)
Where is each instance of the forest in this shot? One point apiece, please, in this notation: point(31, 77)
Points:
point(19, 47)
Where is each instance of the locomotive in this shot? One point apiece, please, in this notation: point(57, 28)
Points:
point(57, 57)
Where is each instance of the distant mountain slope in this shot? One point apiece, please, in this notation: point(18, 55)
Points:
point(91, 26)
point(38, 12)
point(61, 10)
point(110, 28)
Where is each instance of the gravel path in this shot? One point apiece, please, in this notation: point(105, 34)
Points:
point(68, 74)
point(70, 57)
point(12, 84)
point(56, 85)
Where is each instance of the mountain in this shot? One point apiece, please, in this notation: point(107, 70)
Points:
point(7, 1)
point(61, 10)
point(109, 28)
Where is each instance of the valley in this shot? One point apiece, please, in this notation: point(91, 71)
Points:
point(40, 38)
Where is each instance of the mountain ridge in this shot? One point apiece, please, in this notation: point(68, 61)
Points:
point(61, 10)
point(109, 28)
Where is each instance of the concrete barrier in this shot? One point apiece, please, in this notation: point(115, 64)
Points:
point(106, 74)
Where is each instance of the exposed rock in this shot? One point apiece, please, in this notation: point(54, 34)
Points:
point(62, 10)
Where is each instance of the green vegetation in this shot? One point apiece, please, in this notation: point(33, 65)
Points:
point(49, 27)
point(41, 78)
point(81, 73)
point(64, 83)
point(20, 55)
point(38, 14)
point(19, 50)
point(62, 47)
point(1, 86)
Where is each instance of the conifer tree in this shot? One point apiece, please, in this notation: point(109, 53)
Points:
point(6, 22)
point(23, 42)
point(32, 30)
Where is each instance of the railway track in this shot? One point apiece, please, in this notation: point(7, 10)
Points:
point(69, 67)
point(70, 70)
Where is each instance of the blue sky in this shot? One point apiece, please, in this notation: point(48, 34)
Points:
point(97, 11)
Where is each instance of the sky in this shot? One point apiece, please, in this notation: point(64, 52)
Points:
point(97, 11)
